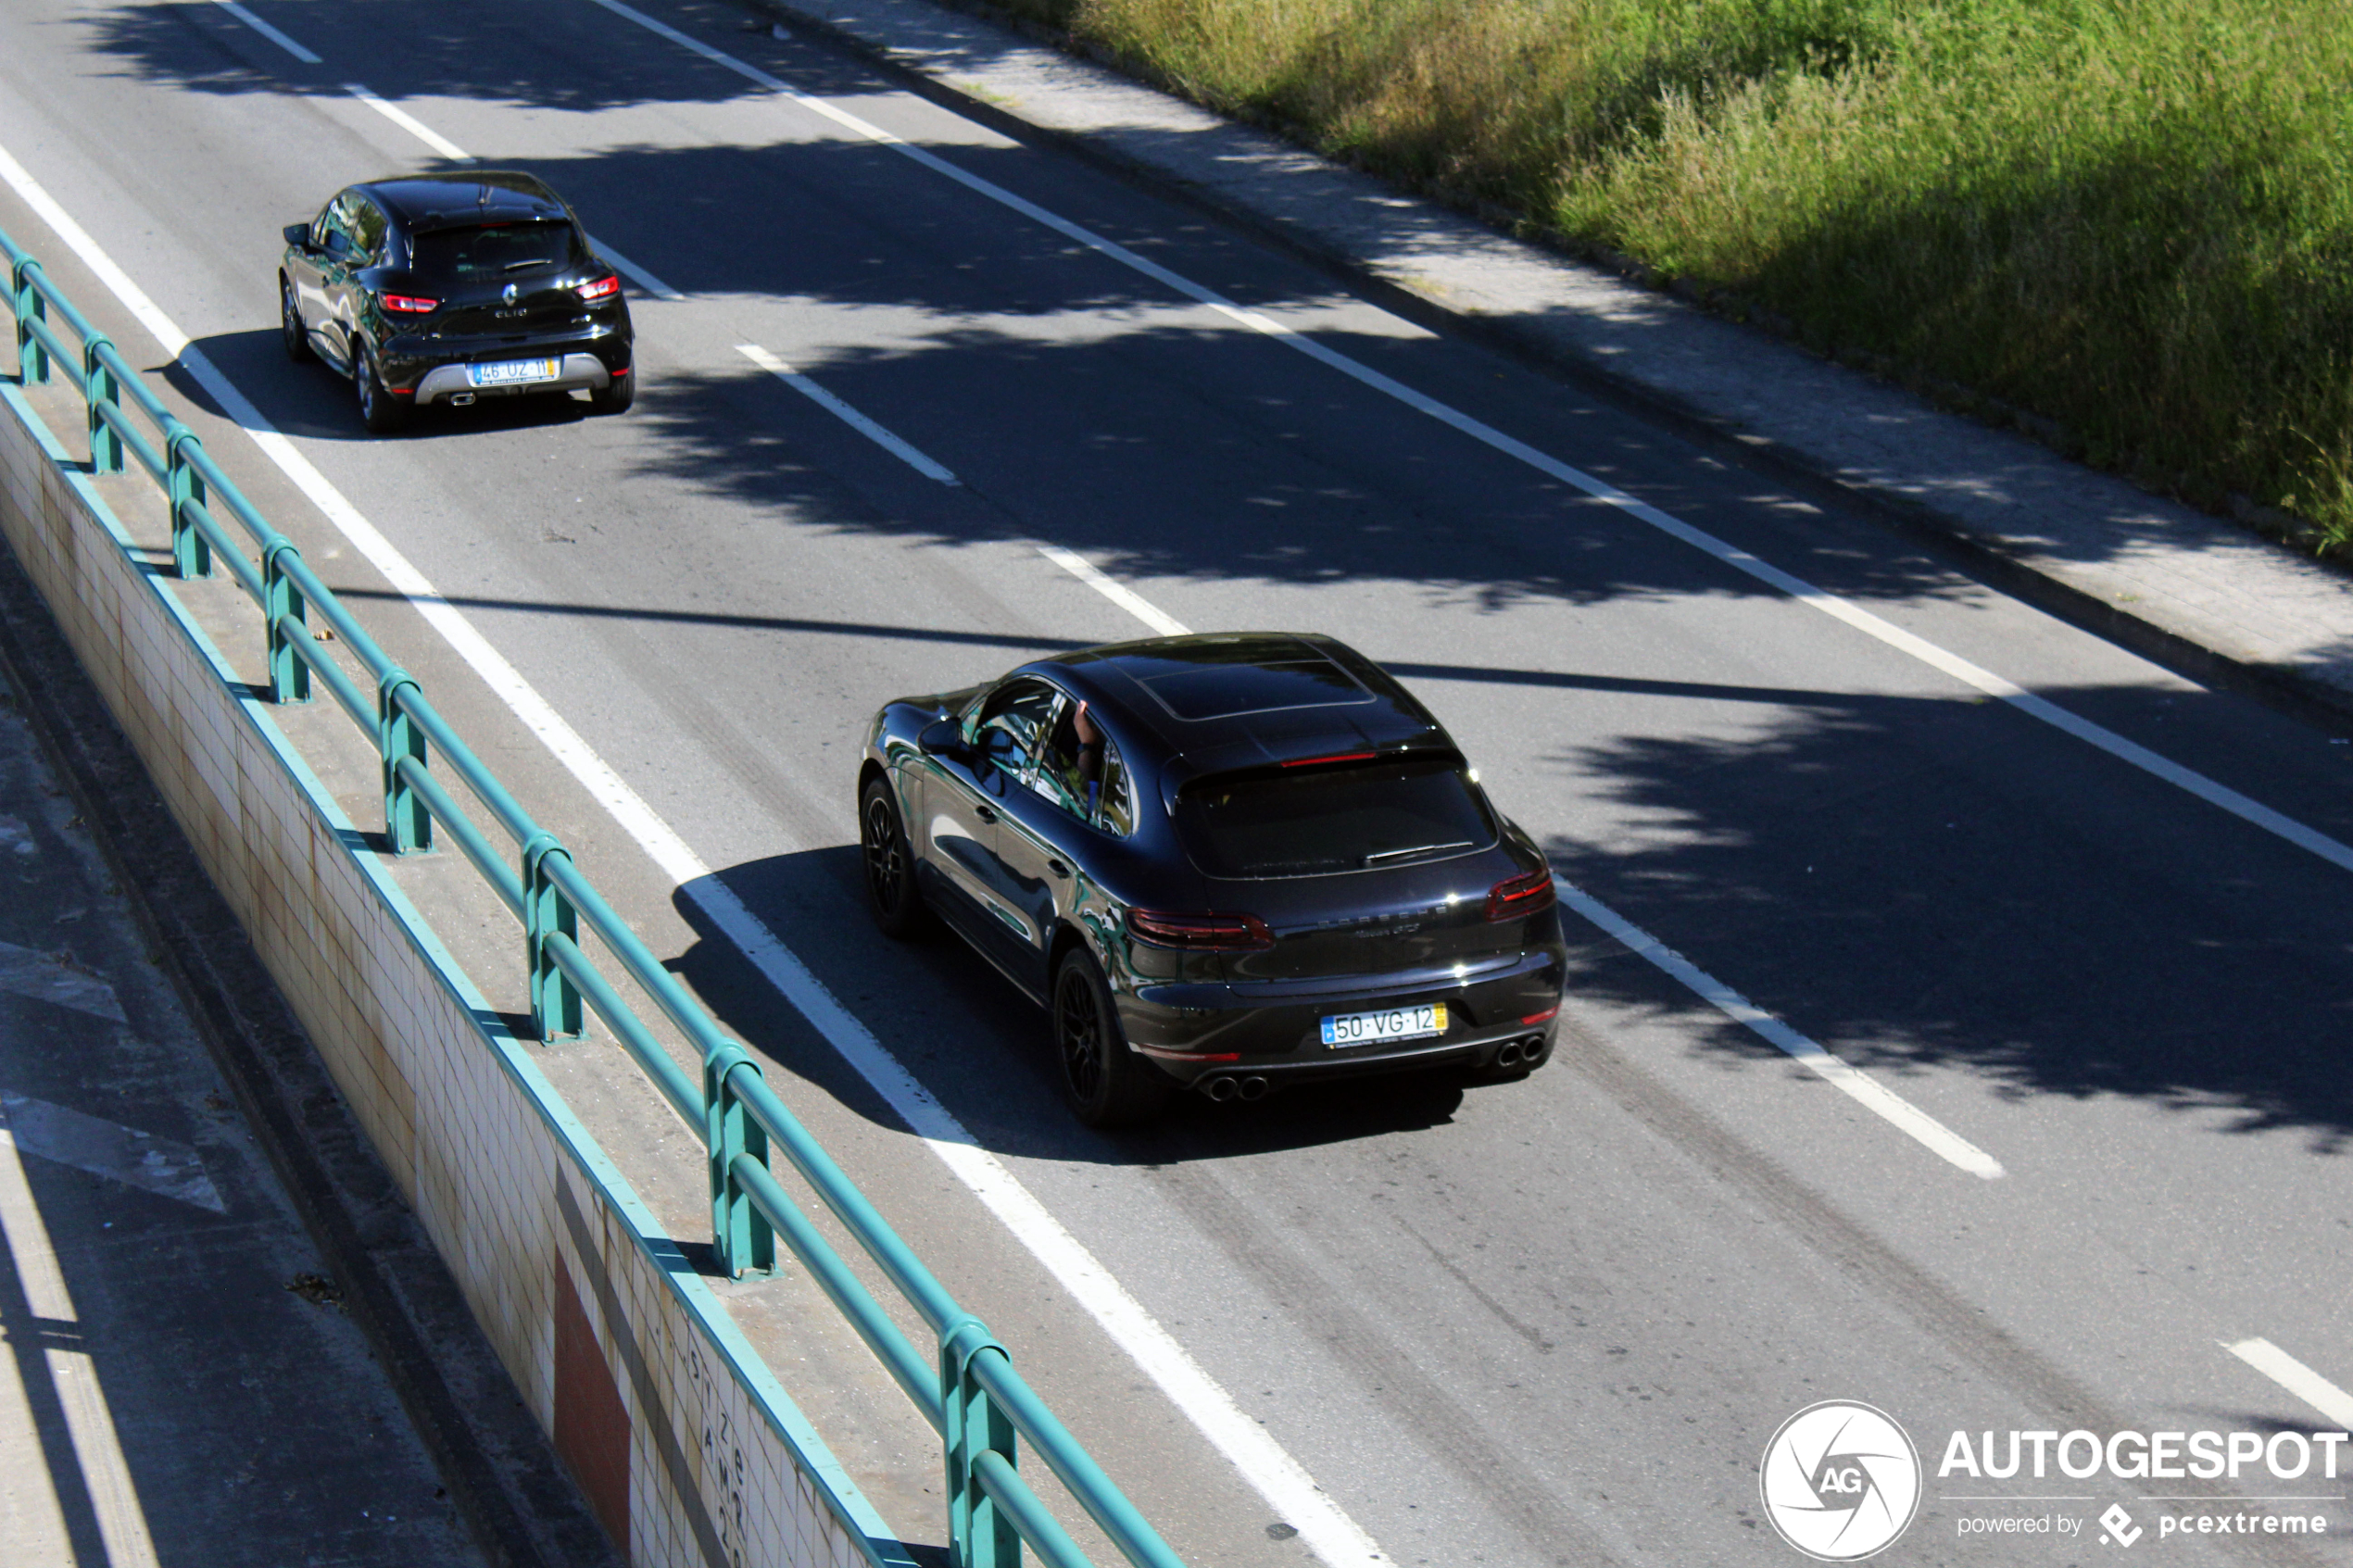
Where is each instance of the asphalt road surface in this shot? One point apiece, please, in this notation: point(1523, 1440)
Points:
point(2078, 919)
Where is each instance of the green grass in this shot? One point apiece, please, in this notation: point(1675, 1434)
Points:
point(2130, 218)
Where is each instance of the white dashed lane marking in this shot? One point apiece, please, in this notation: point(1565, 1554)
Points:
point(2297, 1379)
point(272, 34)
point(410, 123)
point(846, 414)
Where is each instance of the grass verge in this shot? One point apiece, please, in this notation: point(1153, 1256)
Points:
point(2131, 220)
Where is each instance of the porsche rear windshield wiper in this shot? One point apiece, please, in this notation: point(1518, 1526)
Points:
point(1417, 849)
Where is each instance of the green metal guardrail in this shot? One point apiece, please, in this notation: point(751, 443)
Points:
point(970, 1393)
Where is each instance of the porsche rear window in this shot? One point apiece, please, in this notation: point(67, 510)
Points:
point(496, 250)
point(1346, 817)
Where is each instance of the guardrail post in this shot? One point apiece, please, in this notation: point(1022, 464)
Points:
point(555, 1001)
point(408, 824)
point(745, 1243)
point(979, 1533)
point(183, 486)
point(281, 602)
point(100, 388)
point(32, 358)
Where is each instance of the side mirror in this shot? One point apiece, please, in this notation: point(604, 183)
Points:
point(942, 737)
point(298, 235)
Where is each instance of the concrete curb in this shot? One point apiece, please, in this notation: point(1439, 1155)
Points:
point(517, 1503)
point(2192, 592)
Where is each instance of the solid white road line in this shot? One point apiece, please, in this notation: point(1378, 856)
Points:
point(1261, 1461)
point(272, 34)
point(122, 1523)
point(2297, 1379)
point(845, 413)
point(1118, 593)
point(410, 123)
point(1861, 1086)
point(636, 274)
point(1830, 604)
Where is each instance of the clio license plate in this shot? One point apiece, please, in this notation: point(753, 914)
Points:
point(1415, 1023)
point(512, 372)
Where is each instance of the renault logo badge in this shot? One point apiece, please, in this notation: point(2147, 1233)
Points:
point(509, 295)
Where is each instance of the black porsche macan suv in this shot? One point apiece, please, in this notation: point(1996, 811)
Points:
point(444, 288)
point(1227, 862)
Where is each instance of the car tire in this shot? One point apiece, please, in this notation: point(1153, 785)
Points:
point(379, 409)
point(1106, 1084)
point(290, 330)
point(614, 397)
point(892, 896)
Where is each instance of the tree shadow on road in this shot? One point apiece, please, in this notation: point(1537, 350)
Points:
point(1881, 873)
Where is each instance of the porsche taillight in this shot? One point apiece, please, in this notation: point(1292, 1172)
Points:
point(1200, 933)
point(1517, 897)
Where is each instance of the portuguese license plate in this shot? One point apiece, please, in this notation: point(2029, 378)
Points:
point(512, 372)
point(1415, 1023)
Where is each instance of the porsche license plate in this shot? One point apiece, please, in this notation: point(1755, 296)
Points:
point(512, 372)
point(1416, 1023)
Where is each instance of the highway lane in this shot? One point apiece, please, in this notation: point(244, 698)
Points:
point(2123, 995)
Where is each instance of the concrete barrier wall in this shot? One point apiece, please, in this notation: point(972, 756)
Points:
point(683, 1441)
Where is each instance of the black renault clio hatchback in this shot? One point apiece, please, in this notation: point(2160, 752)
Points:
point(444, 288)
point(1225, 862)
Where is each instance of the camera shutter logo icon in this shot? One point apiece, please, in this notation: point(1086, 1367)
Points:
point(1841, 1481)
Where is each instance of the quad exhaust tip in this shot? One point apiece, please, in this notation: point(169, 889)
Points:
point(1223, 1089)
point(1508, 1054)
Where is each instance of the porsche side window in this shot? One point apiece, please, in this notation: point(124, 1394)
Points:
point(1114, 809)
point(1011, 725)
point(1082, 764)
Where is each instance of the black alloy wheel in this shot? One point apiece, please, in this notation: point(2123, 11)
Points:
point(290, 333)
point(379, 409)
point(1106, 1084)
point(891, 894)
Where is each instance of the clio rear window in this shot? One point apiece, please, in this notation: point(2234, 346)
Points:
point(489, 251)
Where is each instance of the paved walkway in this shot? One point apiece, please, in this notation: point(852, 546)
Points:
point(179, 1383)
point(2164, 576)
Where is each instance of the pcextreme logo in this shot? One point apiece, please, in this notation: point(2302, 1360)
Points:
point(1841, 1481)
